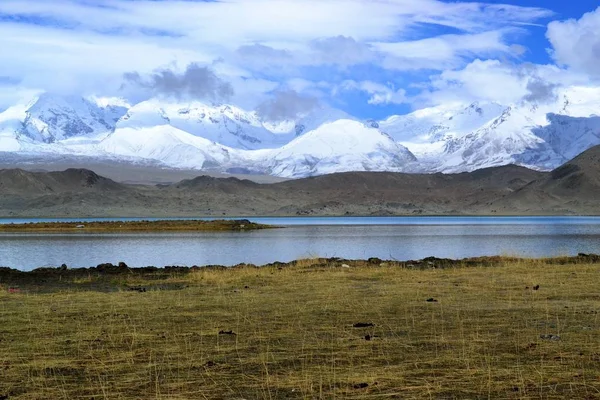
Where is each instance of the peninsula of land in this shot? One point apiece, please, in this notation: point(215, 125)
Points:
point(136, 226)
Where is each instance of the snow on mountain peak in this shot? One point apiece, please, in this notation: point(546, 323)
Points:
point(451, 137)
point(167, 144)
point(224, 124)
point(50, 118)
point(343, 145)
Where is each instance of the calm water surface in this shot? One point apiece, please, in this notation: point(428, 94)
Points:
point(400, 238)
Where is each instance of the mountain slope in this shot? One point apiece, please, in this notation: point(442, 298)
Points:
point(225, 139)
point(426, 131)
point(573, 186)
point(487, 191)
point(18, 181)
point(225, 124)
point(52, 118)
point(540, 135)
point(343, 145)
point(167, 144)
point(578, 178)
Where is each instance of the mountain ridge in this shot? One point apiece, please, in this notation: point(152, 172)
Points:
point(450, 138)
point(571, 189)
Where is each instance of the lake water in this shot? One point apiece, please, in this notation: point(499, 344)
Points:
point(400, 238)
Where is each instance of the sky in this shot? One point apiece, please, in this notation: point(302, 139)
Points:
point(369, 58)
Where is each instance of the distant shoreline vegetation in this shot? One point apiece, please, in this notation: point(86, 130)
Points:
point(135, 226)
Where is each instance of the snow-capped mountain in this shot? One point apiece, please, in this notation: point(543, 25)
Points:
point(428, 126)
point(224, 124)
point(456, 138)
point(52, 118)
point(172, 146)
point(448, 138)
point(343, 145)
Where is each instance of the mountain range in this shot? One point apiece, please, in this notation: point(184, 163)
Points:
point(573, 188)
point(454, 137)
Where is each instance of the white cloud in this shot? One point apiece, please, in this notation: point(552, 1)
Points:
point(576, 43)
point(264, 20)
point(14, 94)
point(443, 52)
point(488, 80)
point(435, 53)
point(259, 46)
point(497, 81)
point(195, 82)
point(286, 104)
point(341, 50)
point(379, 93)
point(51, 58)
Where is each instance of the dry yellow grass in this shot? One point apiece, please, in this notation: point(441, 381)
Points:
point(294, 335)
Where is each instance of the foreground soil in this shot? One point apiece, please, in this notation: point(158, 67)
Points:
point(321, 328)
point(134, 226)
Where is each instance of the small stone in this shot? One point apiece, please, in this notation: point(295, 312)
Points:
point(361, 386)
point(363, 325)
point(554, 338)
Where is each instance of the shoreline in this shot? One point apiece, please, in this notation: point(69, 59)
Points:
point(186, 216)
point(5, 220)
point(160, 225)
point(49, 278)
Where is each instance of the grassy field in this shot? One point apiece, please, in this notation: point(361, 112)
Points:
point(133, 226)
point(486, 330)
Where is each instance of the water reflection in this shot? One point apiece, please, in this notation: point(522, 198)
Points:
point(400, 241)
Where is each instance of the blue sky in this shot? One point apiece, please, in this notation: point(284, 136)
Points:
point(370, 58)
point(536, 40)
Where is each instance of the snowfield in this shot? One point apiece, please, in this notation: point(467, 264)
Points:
point(340, 146)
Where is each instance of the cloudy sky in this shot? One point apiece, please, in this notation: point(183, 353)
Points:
point(371, 58)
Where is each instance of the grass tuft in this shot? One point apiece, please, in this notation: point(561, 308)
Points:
point(310, 329)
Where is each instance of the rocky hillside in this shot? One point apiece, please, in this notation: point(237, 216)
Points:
point(508, 190)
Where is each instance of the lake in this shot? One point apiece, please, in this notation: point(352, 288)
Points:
point(400, 238)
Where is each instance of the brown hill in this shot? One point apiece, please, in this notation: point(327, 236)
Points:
point(580, 176)
point(512, 190)
point(18, 181)
point(572, 188)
